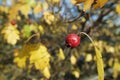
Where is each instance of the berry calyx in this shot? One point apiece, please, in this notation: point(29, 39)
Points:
point(72, 40)
point(13, 22)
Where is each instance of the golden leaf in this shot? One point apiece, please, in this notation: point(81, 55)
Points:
point(38, 8)
point(40, 57)
point(77, 1)
point(100, 3)
point(13, 11)
point(99, 62)
point(87, 4)
point(55, 1)
point(73, 60)
point(11, 34)
point(116, 68)
point(4, 9)
point(21, 58)
point(74, 27)
point(25, 9)
point(118, 8)
point(35, 53)
point(49, 17)
point(41, 29)
point(76, 73)
point(46, 73)
point(45, 5)
point(88, 58)
point(61, 55)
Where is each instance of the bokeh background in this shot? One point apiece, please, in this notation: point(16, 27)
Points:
point(33, 33)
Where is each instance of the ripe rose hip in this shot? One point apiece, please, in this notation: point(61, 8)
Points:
point(73, 40)
point(13, 22)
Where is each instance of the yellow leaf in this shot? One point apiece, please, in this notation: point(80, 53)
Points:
point(33, 28)
point(74, 27)
point(14, 10)
point(116, 68)
point(38, 8)
point(88, 58)
point(11, 34)
point(55, 1)
point(41, 29)
point(40, 57)
point(49, 17)
point(73, 60)
point(4, 9)
point(87, 4)
point(25, 9)
point(99, 62)
point(76, 73)
point(21, 58)
point(118, 8)
point(46, 73)
point(45, 5)
point(100, 3)
point(37, 54)
point(77, 1)
point(110, 62)
point(61, 55)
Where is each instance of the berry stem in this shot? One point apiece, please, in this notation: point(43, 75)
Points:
point(88, 37)
point(37, 34)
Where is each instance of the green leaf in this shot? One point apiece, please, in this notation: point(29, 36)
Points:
point(99, 60)
point(26, 31)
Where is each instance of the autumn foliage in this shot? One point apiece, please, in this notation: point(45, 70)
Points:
point(38, 39)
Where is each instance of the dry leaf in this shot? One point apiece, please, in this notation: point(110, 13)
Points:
point(87, 4)
point(77, 1)
point(100, 3)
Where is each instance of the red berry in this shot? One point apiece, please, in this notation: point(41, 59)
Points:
point(30, 21)
point(73, 40)
point(13, 22)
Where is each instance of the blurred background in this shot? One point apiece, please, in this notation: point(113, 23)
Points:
point(33, 33)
